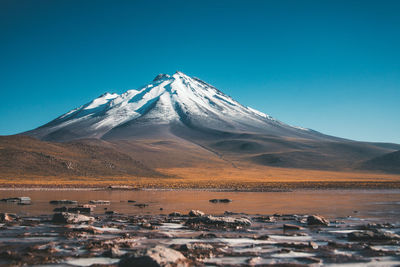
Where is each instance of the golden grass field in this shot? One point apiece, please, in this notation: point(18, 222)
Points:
point(214, 177)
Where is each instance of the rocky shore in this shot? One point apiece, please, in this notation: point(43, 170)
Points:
point(73, 238)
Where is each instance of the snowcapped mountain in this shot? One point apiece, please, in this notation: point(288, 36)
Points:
point(177, 105)
point(177, 121)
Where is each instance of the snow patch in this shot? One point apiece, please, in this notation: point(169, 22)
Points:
point(103, 99)
point(259, 113)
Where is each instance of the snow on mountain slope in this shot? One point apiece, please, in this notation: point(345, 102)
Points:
point(177, 100)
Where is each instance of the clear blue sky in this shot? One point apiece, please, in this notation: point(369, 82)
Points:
point(333, 66)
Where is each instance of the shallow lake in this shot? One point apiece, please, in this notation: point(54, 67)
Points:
point(372, 204)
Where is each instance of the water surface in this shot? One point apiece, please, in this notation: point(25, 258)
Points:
point(379, 204)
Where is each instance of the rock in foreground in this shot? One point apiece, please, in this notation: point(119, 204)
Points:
point(64, 202)
point(161, 240)
point(317, 220)
point(291, 227)
point(219, 221)
point(154, 257)
point(175, 214)
point(7, 217)
point(373, 235)
point(196, 213)
point(65, 217)
point(79, 209)
point(19, 200)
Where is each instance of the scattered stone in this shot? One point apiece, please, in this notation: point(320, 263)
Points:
point(219, 221)
point(79, 209)
point(291, 227)
point(311, 260)
point(221, 200)
point(111, 212)
point(113, 252)
point(88, 206)
point(262, 237)
point(196, 213)
point(60, 209)
point(197, 246)
point(175, 214)
point(64, 202)
point(18, 200)
point(149, 226)
point(88, 229)
point(254, 261)
point(341, 258)
point(288, 217)
point(157, 257)
point(122, 187)
point(317, 220)
point(66, 217)
point(372, 235)
point(345, 246)
point(10, 255)
point(373, 226)
point(100, 202)
point(207, 236)
point(141, 205)
point(285, 250)
point(197, 251)
point(313, 245)
point(299, 245)
point(7, 217)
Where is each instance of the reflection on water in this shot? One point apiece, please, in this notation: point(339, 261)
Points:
point(331, 203)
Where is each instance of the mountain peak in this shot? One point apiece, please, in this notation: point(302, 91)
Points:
point(161, 76)
point(181, 74)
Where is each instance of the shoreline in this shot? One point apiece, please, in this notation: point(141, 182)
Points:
point(237, 187)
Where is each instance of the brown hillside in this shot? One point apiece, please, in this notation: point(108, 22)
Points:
point(23, 155)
